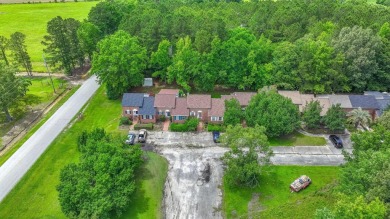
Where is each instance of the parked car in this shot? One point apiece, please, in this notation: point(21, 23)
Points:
point(142, 135)
point(216, 135)
point(130, 139)
point(301, 183)
point(336, 140)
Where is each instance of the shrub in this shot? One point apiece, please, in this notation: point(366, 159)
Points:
point(192, 124)
point(176, 127)
point(147, 126)
point(215, 127)
point(125, 121)
point(162, 118)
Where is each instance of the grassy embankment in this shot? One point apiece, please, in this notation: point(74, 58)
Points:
point(275, 199)
point(40, 93)
point(18, 144)
point(31, 20)
point(35, 196)
point(297, 139)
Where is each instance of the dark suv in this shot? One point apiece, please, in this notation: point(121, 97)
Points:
point(216, 136)
point(336, 141)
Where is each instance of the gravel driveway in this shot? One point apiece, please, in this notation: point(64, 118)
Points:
point(188, 195)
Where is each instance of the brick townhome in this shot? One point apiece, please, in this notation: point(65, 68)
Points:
point(139, 106)
point(199, 105)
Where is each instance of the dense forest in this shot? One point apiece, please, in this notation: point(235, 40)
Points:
point(315, 46)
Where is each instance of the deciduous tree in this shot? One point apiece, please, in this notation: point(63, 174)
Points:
point(119, 63)
point(335, 118)
point(244, 166)
point(62, 44)
point(312, 114)
point(101, 184)
point(161, 59)
point(19, 51)
point(276, 113)
point(88, 35)
point(233, 114)
point(360, 48)
point(12, 88)
point(3, 47)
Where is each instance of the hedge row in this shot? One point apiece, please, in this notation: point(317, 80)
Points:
point(147, 126)
point(190, 125)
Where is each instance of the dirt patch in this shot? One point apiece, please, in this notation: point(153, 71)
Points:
point(254, 206)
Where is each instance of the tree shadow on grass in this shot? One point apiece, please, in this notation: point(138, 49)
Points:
point(139, 203)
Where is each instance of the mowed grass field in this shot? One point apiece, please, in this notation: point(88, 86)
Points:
point(275, 199)
point(31, 20)
point(35, 196)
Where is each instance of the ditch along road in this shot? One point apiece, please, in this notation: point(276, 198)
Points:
point(192, 188)
point(21, 161)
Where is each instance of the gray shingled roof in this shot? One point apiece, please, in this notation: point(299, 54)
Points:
point(383, 104)
point(363, 101)
point(148, 107)
point(343, 100)
point(133, 99)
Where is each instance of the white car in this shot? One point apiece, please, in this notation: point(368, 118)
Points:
point(142, 135)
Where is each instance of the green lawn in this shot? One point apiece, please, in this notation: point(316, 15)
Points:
point(297, 139)
point(276, 200)
point(150, 184)
point(31, 20)
point(40, 93)
point(42, 89)
point(35, 196)
point(17, 145)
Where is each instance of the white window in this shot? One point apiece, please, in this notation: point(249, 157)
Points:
point(135, 112)
point(180, 117)
point(147, 116)
point(192, 113)
point(160, 112)
point(167, 113)
point(127, 111)
point(216, 118)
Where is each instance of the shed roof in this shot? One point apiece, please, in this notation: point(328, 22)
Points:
point(165, 100)
point(169, 91)
point(148, 107)
point(148, 82)
point(363, 101)
point(133, 99)
point(217, 107)
point(199, 101)
point(181, 107)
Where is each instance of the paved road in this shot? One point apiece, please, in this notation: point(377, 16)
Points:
point(21, 161)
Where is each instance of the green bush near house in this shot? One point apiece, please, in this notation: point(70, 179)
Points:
point(147, 126)
point(125, 121)
point(215, 127)
point(177, 127)
point(162, 118)
point(190, 125)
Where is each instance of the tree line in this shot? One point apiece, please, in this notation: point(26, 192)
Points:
point(312, 46)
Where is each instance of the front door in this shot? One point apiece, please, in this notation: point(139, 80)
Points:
point(199, 114)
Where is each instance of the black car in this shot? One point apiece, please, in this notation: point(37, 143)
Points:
point(130, 139)
point(216, 136)
point(336, 141)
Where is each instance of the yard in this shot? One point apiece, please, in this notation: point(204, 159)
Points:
point(31, 20)
point(35, 196)
point(297, 139)
point(275, 199)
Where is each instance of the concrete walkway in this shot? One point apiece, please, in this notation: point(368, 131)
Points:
point(21, 161)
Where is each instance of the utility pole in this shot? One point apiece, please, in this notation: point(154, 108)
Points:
point(47, 67)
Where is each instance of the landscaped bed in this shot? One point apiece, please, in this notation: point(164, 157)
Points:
point(297, 139)
point(275, 199)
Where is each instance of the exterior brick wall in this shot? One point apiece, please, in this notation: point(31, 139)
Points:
point(204, 113)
